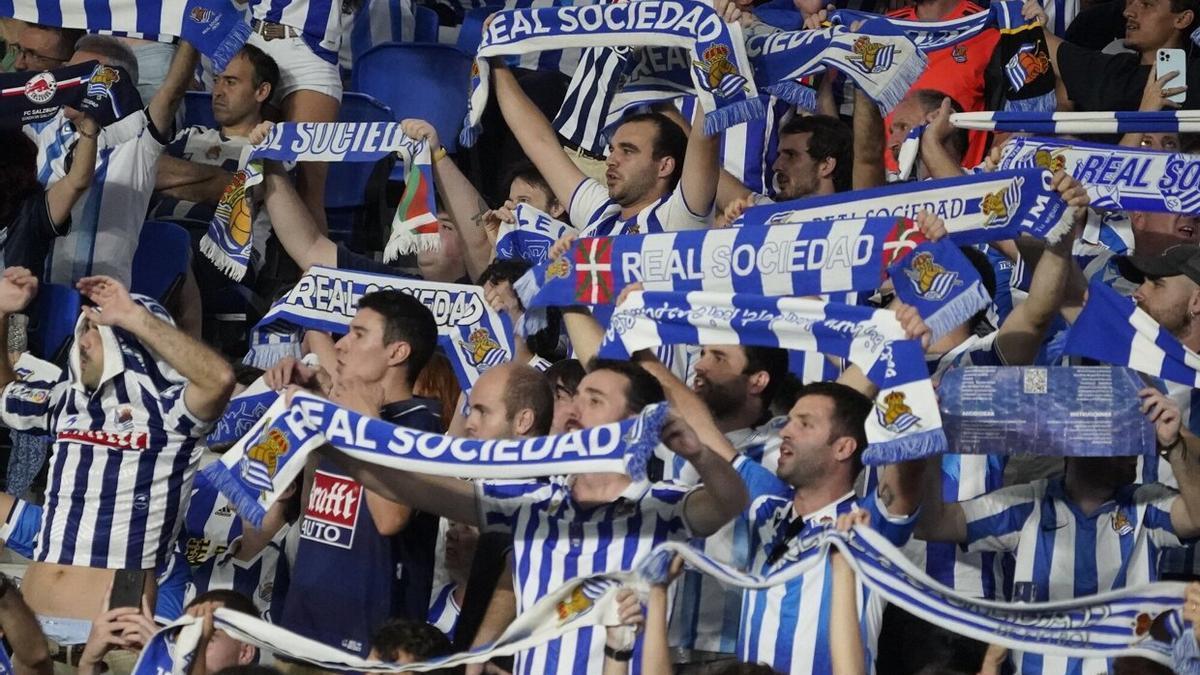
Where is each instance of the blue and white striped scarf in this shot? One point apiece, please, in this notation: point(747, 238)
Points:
point(1160, 122)
point(415, 227)
point(820, 256)
point(882, 64)
point(242, 412)
point(259, 467)
point(719, 69)
point(905, 423)
point(1106, 625)
point(942, 284)
point(976, 208)
point(531, 236)
point(216, 28)
point(473, 335)
point(1117, 178)
point(1113, 329)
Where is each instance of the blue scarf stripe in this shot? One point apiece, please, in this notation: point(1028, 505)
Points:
point(1164, 122)
point(1112, 329)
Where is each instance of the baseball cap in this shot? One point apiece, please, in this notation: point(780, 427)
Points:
point(1181, 259)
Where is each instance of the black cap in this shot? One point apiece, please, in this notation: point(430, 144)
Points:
point(1181, 259)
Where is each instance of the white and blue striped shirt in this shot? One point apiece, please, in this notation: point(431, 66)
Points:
point(376, 22)
point(1063, 553)
point(597, 215)
point(319, 21)
point(263, 578)
point(787, 626)
point(706, 616)
point(107, 220)
point(556, 540)
point(121, 466)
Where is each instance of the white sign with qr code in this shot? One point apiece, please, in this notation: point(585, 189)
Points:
point(1035, 380)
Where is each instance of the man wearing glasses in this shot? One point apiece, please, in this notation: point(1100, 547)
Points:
point(43, 47)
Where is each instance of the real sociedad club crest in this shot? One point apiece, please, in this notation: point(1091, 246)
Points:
point(583, 598)
point(895, 415)
point(481, 350)
point(932, 281)
point(101, 81)
point(1029, 63)
point(720, 74)
point(259, 465)
point(201, 15)
point(1000, 206)
point(41, 88)
point(872, 57)
point(1051, 161)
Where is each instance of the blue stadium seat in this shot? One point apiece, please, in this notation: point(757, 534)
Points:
point(346, 185)
point(197, 109)
point(163, 254)
point(52, 321)
point(426, 27)
point(471, 32)
point(435, 81)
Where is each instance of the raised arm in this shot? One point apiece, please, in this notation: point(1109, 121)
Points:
point(535, 134)
point(1182, 450)
point(722, 494)
point(61, 196)
point(31, 653)
point(869, 140)
point(17, 287)
point(462, 200)
point(191, 181)
point(210, 379)
point(293, 222)
point(939, 521)
point(701, 167)
point(451, 498)
point(166, 100)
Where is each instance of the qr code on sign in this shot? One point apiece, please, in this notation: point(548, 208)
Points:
point(1035, 381)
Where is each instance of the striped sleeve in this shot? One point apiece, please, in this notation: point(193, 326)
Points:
point(995, 520)
point(589, 204)
point(177, 417)
point(896, 529)
point(500, 501)
point(1157, 500)
point(27, 405)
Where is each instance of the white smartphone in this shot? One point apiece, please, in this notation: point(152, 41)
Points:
point(1172, 60)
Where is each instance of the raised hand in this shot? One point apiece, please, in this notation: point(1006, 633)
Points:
point(1164, 414)
point(114, 305)
point(17, 287)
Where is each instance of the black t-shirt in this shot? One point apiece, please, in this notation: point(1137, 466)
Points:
point(1098, 81)
point(28, 235)
point(1098, 25)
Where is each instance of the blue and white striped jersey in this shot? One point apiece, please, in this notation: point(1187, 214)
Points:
point(1064, 553)
point(444, 610)
point(597, 215)
point(209, 524)
point(787, 626)
point(706, 616)
point(374, 23)
point(121, 466)
point(107, 220)
point(263, 579)
point(555, 540)
point(319, 21)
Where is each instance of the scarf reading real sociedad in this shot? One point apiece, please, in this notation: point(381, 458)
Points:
point(414, 227)
point(905, 423)
point(1117, 178)
point(530, 237)
point(976, 208)
point(1113, 329)
point(259, 467)
point(1109, 625)
point(720, 72)
point(471, 333)
point(216, 28)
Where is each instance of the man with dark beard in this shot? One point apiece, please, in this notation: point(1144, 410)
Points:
point(737, 384)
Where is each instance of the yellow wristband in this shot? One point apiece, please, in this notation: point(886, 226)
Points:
point(438, 155)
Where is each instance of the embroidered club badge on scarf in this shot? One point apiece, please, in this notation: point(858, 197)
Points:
point(259, 467)
point(976, 208)
point(531, 237)
point(414, 228)
point(216, 28)
point(1113, 329)
point(105, 93)
point(942, 284)
point(1117, 178)
point(719, 70)
point(471, 333)
point(905, 423)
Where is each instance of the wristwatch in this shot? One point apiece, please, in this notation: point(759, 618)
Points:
point(618, 655)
